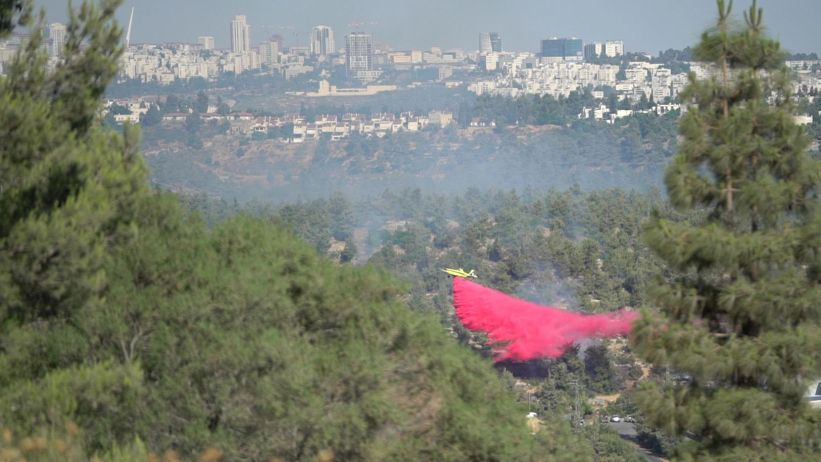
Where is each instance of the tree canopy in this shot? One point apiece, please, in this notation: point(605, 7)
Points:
point(740, 324)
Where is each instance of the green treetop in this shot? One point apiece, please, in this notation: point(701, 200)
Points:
point(741, 319)
point(13, 12)
point(67, 187)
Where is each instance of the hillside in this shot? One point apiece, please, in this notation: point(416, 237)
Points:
point(592, 156)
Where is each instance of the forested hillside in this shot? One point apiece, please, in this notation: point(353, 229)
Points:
point(579, 249)
point(630, 155)
point(582, 251)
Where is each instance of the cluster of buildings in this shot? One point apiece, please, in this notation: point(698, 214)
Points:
point(331, 126)
point(561, 66)
point(806, 82)
point(567, 65)
point(165, 63)
point(806, 75)
point(55, 44)
point(134, 109)
point(337, 128)
point(605, 113)
point(551, 50)
point(526, 74)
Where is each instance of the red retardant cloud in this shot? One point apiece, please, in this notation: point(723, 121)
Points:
point(527, 330)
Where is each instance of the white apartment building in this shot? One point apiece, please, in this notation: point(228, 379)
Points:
point(661, 84)
point(206, 42)
point(322, 41)
point(610, 49)
point(613, 48)
point(561, 78)
point(489, 61)
point(240, 35)
point(57, 34)
point(269, 53)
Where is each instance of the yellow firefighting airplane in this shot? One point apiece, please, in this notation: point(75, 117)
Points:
point(460, 273)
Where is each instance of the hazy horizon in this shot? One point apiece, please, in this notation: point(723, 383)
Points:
point(643, 25)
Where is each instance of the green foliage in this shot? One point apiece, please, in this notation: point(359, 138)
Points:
point(599, 370)
point(63, 444)
point(535, 110)
point(741, 319)
point(118, 109)
point(610, 447)
point(287, 355)
point(104, 399)
point(68, 188)
point(201, 104)
point(12, 13)
point(581, 250)
point(152, 117)
point(193, 123)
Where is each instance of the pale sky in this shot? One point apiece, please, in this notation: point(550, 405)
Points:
point(643, 25)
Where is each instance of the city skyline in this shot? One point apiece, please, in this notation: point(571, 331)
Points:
point(643, 25)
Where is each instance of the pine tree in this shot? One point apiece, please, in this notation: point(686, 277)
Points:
point(67, 188)
point(12, 13)
point(740, 321)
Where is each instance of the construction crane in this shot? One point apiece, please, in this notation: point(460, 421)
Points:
point(128, 33)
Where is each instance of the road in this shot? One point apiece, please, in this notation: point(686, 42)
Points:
point(628, 432)
point(624, 429)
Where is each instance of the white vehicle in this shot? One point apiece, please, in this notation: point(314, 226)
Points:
point(814, 394)
point(615, 418)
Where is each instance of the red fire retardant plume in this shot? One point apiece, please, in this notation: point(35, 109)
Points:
point(527, 330)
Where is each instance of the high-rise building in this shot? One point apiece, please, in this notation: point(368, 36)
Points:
point(359, 53)
point(489, 61)
point(57, 34)
point(269, 53)
point(610, 49)
point(593, 51)
point(490, 42)
point(564, 48)
point(613, 48)
point(484, 43)
point(495, 42)
point(240, 35)
point(322, 41)
point(206, 42)
point(279, 41)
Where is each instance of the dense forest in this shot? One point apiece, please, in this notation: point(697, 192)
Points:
point(580, 250)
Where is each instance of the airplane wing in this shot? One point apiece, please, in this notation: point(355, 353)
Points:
point(460, 273)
